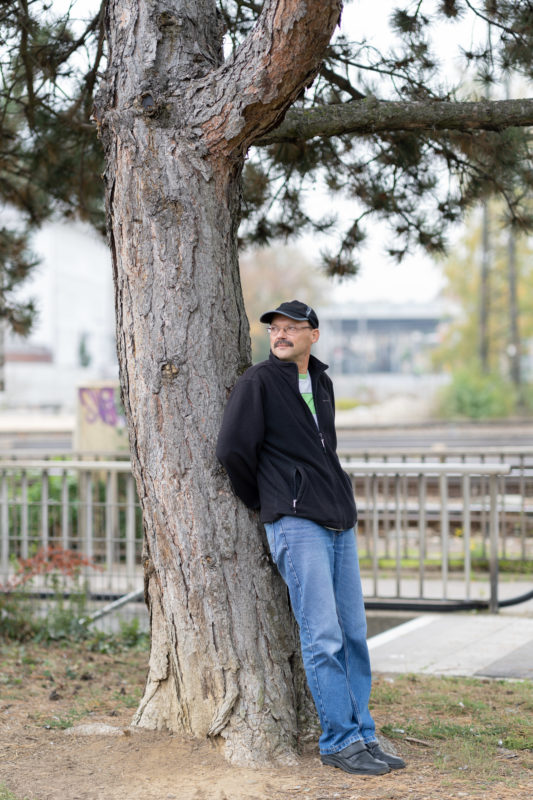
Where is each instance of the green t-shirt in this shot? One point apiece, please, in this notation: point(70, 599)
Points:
point(306, 390)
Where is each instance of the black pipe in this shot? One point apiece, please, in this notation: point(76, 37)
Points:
point(387, 604)
point(393, 604)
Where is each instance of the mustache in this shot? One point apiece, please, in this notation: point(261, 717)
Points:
point(283, 342)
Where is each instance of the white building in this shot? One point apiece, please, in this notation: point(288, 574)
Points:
point(73, 338)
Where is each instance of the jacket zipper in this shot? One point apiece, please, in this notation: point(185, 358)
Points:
point(321, 435)
point(322, 441)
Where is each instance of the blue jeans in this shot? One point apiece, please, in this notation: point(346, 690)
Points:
point(321, 570)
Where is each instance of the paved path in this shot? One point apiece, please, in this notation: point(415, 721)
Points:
point(470, 644)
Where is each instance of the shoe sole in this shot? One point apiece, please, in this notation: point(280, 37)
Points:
point(368, 773)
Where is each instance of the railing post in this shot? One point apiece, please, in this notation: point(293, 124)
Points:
point(44, 509)
point(88, 517)
point(444, 532)
point(397, 490)
point(110, 508)
point(494, 535)
point(386, 525)
point(366, 515)
point(483, 498)
point(24, 548)
point(130, 531)
point(4, 527)
point(405, 513)
point(65, 538)
point(422, 497)
point(522, 508)
point(466, 534)
point(503, 520)
point(375, 533)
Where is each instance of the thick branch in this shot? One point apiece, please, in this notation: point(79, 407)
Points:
point(374, 116)
point(249, 94)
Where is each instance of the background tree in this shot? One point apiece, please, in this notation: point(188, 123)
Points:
point(384, 130)
point(509, 325)
point(176, 120)
point(50, 159)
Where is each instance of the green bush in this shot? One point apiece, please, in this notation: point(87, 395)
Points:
point(64, 615)
point(473, 395)
point(16, 620)
point(346, 403)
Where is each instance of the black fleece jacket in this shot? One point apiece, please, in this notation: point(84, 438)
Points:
point(277, 459)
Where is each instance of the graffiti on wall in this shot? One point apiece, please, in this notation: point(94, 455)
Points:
point(102, 405)
point(101, 421)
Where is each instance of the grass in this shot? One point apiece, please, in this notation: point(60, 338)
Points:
point(455, 564)
point(466, 732)
point(61, 722)
point(480, 727)
point(69, 681)
point(5, 794)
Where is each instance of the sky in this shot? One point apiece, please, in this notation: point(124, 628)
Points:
point(417, 279)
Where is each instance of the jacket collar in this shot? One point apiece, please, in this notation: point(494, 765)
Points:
point(316, 367)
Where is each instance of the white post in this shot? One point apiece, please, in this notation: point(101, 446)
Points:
point(24, 537)
point(466, 534)
point(44, 509)
point(444, 532)
point(397, 491)
point(4, 527)
point(422, 495)
point(494, 535)
point(130, 531)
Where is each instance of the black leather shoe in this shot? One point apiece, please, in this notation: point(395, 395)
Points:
point(356, 759)
point(394, 762)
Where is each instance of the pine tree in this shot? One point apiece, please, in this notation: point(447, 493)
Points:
point(378, 128)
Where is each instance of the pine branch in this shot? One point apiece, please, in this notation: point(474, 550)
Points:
point(363, 117)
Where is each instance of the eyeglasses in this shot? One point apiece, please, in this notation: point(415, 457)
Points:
point(290, 330)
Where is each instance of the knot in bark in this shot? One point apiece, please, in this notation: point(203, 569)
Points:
point(169, 371)
point(168, 20)
point(151, 107)
point(211, 562)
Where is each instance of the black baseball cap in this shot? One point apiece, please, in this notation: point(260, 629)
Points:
point(294, 309)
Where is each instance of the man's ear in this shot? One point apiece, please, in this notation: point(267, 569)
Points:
point(315, 335)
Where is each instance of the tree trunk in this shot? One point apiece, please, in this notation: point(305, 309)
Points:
point(484, 294)
point(176, 123)
point(514, 349)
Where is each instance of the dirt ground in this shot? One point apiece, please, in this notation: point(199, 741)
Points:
point(47, 692)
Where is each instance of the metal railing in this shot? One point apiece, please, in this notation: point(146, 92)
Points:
point(90, 507)
point(515, 487)
point(417, 519)
point(404, 512)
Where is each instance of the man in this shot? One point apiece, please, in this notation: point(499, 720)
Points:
point(278, 445)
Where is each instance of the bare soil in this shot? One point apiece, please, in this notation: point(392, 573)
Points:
point(46, 691)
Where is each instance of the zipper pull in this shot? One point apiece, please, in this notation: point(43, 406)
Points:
point(322, 440)
point(294, 505)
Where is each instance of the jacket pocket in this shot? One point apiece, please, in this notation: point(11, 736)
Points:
point(299, 481)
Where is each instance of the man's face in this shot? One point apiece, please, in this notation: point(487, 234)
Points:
point(290, 339)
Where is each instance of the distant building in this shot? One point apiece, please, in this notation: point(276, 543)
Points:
point(73, 339)
point(358, 339)
point(384, 346)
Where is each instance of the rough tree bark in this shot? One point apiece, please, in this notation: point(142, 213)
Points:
point(176, 122)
